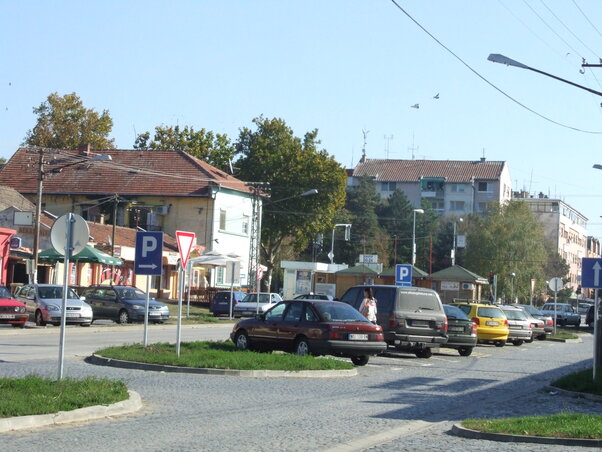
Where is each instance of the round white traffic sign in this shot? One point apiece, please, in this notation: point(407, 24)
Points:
point(79, 237)
point(555, 284)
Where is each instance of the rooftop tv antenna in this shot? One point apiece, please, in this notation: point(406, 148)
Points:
point(388, 139)
point(413, 148)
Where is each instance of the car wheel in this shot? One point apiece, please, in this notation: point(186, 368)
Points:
point(561, 322)
point(19, 325)
point(578, 324)
point(242, 341)
point(124, 317)
point(517, 342)
point(302, 347)
point(528, 341)
point(465, 351)
point(360, 360)
point(86, 324)
point(499, 343)
point(541, 337)
point(40, 319)
point(424, 353)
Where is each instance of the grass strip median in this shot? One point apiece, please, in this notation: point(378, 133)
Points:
point(581, 381)
point(219, 355)
point(563, 334)
point(563, 425)
point(33, 394)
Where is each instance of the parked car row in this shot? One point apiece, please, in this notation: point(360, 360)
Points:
point(43, 304)
point(411, 319)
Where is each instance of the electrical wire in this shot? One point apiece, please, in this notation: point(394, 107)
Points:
point(490, 83)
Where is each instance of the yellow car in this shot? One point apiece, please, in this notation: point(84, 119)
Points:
point(492, 324)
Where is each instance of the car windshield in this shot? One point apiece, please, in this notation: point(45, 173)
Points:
point(454, 313)
point(4, 293)
point(419, 300)
point(131, 293)
point(55, 292)
point(252, 298)
point(515, 314)
point(339, 312)
point(531, 309)
point(494, 313)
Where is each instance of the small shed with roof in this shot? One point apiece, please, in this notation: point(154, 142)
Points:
point(456, 282)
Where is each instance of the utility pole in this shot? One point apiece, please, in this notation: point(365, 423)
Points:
point(36, 236)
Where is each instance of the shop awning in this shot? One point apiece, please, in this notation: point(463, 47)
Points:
point(88, 254)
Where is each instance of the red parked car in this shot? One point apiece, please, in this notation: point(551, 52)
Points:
point(316, 327)
point(12, 311)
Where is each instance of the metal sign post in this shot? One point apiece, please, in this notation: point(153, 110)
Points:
point(596, 335)
point(555, 285)
point(185, 241)
point(68, 243)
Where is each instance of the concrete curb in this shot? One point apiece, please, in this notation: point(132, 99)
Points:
point(458, 430)
point(101, 360)
point(131, 405)
point(575, 395)
point(567, 341)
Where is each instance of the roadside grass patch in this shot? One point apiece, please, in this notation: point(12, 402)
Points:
point(197, 314)
point(37, 395)
point(562, 333)
point(563, 425)
point(219, 355)
point(581, 381)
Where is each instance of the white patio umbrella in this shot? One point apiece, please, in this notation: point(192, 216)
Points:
point(215, 259)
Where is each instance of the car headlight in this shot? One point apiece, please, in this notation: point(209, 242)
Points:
point(137, 306)
point(19, 308)
point(52, 307)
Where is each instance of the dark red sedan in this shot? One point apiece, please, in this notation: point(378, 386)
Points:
point(316, 327)
point(12, 311)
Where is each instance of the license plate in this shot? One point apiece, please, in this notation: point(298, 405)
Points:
point(492, 323)
point(358, 337)
point(247, 313)
point(517, 327)
point(7, 316)
point(154, 313)
point(72, 314)
point(420, 323)
point(457, 329)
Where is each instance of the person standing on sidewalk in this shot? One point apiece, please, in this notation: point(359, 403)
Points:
point(368, 307)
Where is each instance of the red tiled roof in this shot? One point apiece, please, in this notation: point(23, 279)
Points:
point(413, 170)
point(130, 172)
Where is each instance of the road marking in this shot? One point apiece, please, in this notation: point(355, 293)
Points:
point(384, 437)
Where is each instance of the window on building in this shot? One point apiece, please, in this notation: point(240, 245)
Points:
point(220, 275)
point(222, 220)
point(482, 207)
point(245, 224)
point(485, 187)
point(457, 188)
point(456, 206)
point(389, 186)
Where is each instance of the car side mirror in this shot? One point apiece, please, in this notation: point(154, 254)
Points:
point(82, 298)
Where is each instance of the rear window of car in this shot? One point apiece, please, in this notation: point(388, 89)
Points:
point(339, 312)
point(454, 313)
point(494, 313)
point(4, 293)
point(56, 292)
point(515, 314)
point(419, 300)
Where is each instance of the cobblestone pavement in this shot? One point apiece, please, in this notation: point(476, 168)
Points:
point(418, 400)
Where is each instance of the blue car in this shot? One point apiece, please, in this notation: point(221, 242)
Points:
point(220, 304)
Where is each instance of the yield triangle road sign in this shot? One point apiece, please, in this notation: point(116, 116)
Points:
point(185, 241)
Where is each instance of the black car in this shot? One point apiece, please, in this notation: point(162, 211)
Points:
point(220, 304)
point(124, 304)
point(589, 317)
point(461, 331)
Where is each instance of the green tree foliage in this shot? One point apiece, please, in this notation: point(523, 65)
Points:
point(367, 237)
point(508, 240)
point(271, 153)
point(64, 123)
point(395, 216)
point(215, 149)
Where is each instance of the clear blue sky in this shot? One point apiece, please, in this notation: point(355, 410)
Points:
point(338, 66)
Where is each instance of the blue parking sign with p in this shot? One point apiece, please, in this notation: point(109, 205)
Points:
point(149, 253)
point(403, 275)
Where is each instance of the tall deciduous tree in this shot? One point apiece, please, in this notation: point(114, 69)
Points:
point(291, 166)
point(395, 216)
point(214, 148)
point(507, 241)
point(64, 123)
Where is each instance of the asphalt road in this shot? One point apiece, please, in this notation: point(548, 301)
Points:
point(397, 402)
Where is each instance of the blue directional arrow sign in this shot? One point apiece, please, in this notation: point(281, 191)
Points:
point(591, 273)
point(403, 275)
point(149, 253)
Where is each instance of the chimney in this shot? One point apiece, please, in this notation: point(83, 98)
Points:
point(85, 149)
point(482, 159)
point(101, 220)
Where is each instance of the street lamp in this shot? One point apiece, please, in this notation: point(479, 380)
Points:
point(347, 235)
point(512, 288)
point(497, 58)
point(414, 236)
point(453, 251)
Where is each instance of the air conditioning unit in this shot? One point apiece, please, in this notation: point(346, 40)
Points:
point(163, 210)
point(467, 286)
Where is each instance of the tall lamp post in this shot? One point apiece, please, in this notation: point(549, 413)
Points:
point(512, 288)
point(347, 236)
point(414, 236)
point(453, 251)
